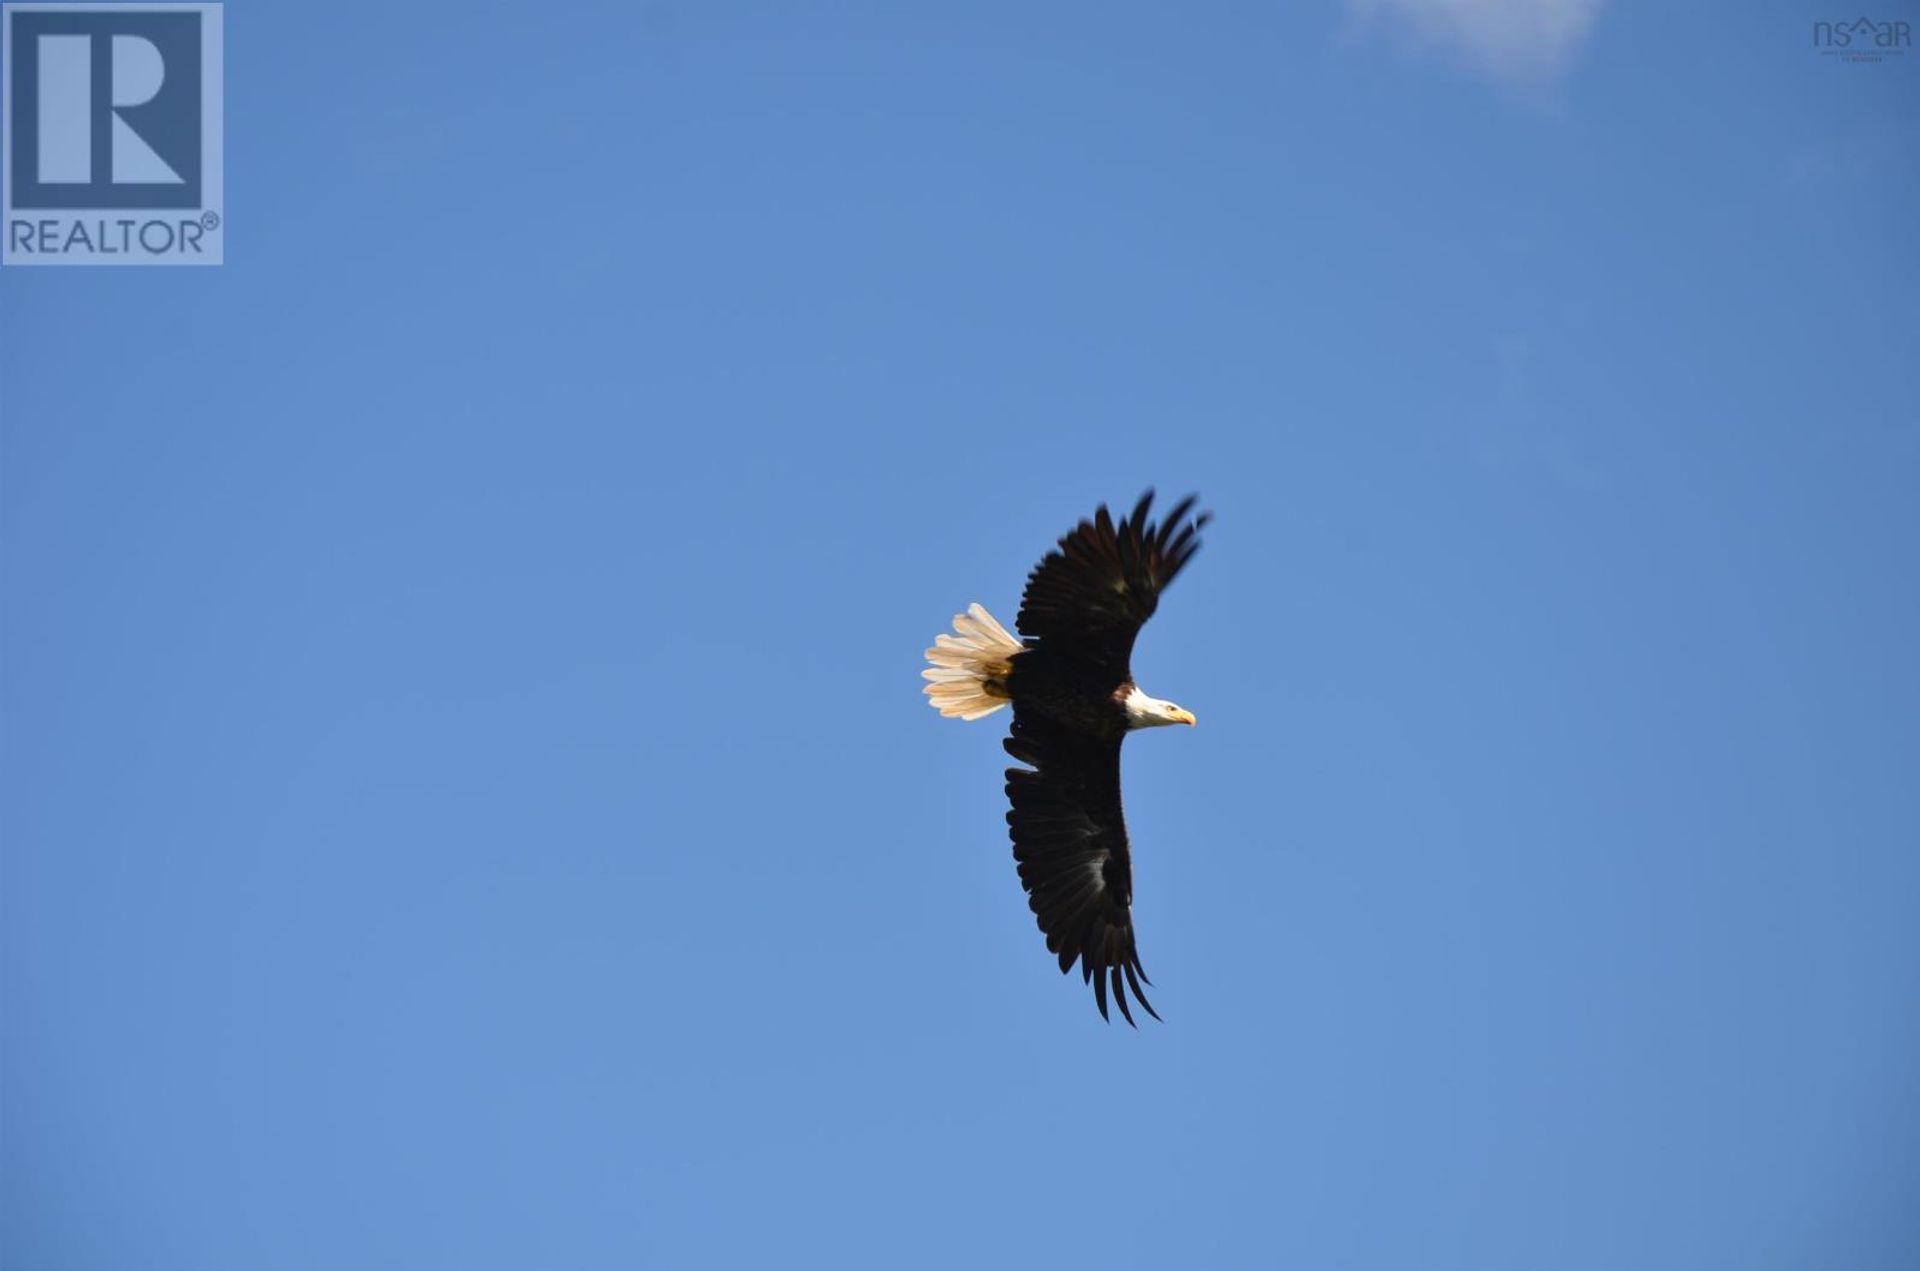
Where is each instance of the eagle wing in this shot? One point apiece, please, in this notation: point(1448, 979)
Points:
point(1070, 841)
point(1093, 593)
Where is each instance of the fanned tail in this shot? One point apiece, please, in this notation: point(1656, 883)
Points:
point(968, 675)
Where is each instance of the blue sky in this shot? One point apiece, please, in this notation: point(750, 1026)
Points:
point(467, 798)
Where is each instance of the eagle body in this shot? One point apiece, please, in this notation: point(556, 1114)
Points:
point(1065, 689)
point(1067, 678)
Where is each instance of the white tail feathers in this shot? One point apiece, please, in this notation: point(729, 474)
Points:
point(968, 677)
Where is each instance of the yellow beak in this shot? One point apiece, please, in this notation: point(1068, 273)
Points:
point(1185, 717)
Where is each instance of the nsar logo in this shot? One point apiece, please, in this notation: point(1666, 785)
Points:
point(112, 153)
point(1863, 39)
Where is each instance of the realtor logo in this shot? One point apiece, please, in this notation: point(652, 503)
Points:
point(111, 153)
point(1863, 39)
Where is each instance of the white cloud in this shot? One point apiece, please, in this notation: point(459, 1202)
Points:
point(1519, 41)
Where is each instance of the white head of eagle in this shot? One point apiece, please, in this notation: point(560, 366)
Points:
point(1068, 679)
point(1151, 712)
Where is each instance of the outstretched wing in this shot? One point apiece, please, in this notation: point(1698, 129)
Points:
point(1091, 596)
point(1071, 844)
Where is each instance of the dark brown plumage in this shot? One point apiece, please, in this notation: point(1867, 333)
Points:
point(1074, 701)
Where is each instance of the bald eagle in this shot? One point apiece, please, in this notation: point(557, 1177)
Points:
point(1074, 701)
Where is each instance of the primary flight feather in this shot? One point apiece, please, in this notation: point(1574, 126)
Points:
point(1074, 701)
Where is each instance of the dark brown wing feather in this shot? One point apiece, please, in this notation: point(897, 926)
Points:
point(1071, 844)
point(1091, 596)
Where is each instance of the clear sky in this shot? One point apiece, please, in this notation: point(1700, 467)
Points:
point(468, 801)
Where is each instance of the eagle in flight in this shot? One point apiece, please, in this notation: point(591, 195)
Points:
point(1074, 701)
